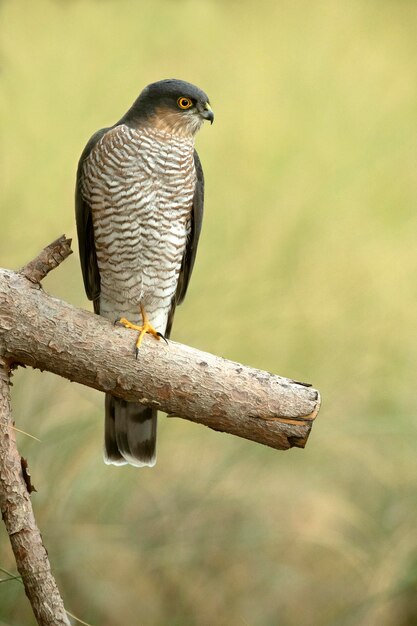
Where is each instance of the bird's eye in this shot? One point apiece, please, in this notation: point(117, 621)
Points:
point(184, 103)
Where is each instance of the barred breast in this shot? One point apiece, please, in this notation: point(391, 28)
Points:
point(140, 186)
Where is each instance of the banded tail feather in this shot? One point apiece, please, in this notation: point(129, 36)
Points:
point(129, 433)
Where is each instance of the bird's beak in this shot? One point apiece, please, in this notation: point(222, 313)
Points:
point(207, 113)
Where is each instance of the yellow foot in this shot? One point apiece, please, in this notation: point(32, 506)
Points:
point(146, 327)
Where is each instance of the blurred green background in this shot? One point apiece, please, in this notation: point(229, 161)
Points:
point(307, 267)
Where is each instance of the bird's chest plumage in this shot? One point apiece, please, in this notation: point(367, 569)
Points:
point(140, 186)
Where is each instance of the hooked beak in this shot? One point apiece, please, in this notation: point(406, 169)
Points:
point(207, 113)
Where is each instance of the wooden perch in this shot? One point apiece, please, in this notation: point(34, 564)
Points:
point(44, 332)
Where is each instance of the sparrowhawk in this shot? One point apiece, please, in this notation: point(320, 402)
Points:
point(139, 208)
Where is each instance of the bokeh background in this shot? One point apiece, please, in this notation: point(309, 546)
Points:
point(307, 267)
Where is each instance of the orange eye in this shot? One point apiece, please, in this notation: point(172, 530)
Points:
point(184, 103)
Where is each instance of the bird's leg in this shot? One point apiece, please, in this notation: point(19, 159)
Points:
point(145, 328)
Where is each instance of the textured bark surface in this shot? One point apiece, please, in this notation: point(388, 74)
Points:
point(46, 333)
point(48, 259)
point(17, 513)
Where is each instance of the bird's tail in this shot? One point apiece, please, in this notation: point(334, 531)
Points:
point(129, 433)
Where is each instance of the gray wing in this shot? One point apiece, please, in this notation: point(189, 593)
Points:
point(192, 243)
point(85, 231)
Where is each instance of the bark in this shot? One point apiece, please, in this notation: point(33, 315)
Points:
point(17, 513)
point(48, 259)
point(49, 334)
point(46, 333)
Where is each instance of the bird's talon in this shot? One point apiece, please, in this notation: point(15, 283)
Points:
point(162, 336)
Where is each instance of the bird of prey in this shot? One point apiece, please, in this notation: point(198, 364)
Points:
point(139, 207)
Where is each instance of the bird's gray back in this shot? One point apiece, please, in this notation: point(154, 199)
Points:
point(140, 185)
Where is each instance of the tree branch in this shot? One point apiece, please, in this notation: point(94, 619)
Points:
point(41, 331)
point(46, 333)
point(47, 260)
point(17, 513)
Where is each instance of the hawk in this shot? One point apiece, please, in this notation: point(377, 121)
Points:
point(139, 207)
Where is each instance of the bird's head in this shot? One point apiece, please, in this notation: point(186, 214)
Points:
point(173, 106)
